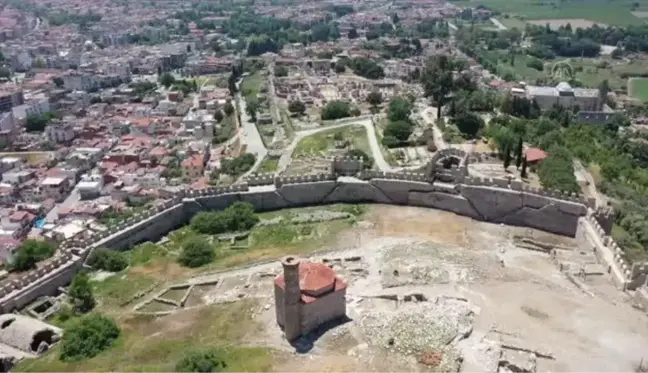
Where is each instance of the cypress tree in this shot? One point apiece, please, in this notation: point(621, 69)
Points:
point(523, 174)
point(518, 154)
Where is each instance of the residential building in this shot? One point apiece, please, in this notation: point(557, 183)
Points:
point(56, 188)
point(59, 132)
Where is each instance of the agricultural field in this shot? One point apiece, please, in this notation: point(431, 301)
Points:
point(617, 13)
point(638, 88)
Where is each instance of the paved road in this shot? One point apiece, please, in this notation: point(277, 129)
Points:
point(70, 201)
point(376, 153)
point(498, 24)
point(250, 136)
point(429, 116)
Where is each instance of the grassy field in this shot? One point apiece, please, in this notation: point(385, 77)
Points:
point(149, 344)
point(251, 85)
point(322, 141)
point(269, 165)
point(618, 13)
point(638, 88)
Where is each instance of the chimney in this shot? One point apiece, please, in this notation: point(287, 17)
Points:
point(292, 298)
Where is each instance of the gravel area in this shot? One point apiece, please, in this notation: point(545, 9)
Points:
point(311, 217)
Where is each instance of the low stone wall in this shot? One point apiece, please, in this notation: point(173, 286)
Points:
point(484, 199)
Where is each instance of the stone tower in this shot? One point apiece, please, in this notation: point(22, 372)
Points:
point(292, 298)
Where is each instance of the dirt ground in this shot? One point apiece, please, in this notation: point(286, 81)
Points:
point(522, 311)
point(574, 22)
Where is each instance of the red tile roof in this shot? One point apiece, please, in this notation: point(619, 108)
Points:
point(534, 154)
point(314, 279)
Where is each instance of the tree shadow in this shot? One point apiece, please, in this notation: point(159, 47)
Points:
point(305, 343)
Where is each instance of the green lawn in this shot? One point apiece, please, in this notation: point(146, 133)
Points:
point(602, 11)
point(638, 88)
point(251, 85)
point(149, 344)
point(269, 165)
point(316, 144)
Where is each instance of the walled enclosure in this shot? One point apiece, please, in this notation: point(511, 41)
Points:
point(493, 200)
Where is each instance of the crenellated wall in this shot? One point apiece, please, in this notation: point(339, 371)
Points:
point(591, 236)
point(495, 200)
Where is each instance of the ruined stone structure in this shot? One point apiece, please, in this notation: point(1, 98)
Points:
point(307, 295)
point(445, 185)
point(22, 336)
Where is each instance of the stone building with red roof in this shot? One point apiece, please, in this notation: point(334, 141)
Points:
point(307, 295)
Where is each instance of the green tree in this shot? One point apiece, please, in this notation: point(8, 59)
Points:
point(340, 67)
point(108, 260)
point(557, 170)
point(437, 80)
point(87, 336)
point(80, 292)
point(468, 123)
point(507, 159)
point(297, 107)
point(37, 123)
point(519, 154)
point(231, 84)
point(30, 252)
point(166, 80)
point(196, 252)
point(353, 33)
point(228, 109)
point(367, 161)
point(523, 173)
point(5, 72)
point(336, 110)
point(366, 68)
point(202, 361)
point(396, 133)
point(252, 107)
point(239, 216)
point(218, 116)
point(374, 98)
point(399, 109)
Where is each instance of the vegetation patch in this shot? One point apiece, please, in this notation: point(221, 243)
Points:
point(157, 344)
point(354, 137)
point(638, 88)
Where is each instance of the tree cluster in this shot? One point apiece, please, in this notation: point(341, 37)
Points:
point(31, 252)
point(239, 165)
point(108, 260)
point(38, 122)
point(239, 216)
point(80, 293)
point(557, 170)
point(366, 68)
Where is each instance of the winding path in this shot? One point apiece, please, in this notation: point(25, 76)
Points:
point(376, 152)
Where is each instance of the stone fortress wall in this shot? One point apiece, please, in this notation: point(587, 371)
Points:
point(445, 184)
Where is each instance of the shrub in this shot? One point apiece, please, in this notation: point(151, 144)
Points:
point(399, 109)
point(196, 252)
point(87, 336)
point(108, 260)
point(202, 361)
point(80, 293)
point(535, 63)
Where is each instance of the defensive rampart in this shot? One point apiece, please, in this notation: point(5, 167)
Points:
point(494, 200)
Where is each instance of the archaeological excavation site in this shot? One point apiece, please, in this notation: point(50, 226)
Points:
point(365, 271)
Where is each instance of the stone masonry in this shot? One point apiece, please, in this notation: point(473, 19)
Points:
point(493, 200)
